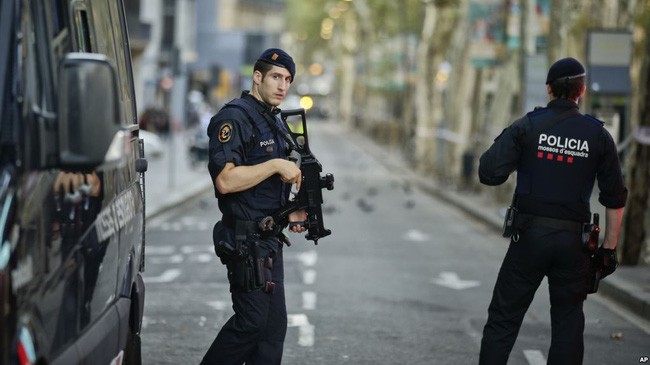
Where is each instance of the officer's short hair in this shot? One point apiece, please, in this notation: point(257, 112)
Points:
point(262, 67)
point(566, 88)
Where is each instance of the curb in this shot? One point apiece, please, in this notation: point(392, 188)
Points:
point(626, 294)
point(178, 201)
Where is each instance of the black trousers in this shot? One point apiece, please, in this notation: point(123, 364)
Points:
point(540, 252)
point(255, 333)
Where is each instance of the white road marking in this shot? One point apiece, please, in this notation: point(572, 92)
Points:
point(416, 236)
point(146, 321)
point(308, 300)
point(183, 225)
point(160, 250)
point(194, 249)
point(534, 357)
point(305, 330)
point(309, 277)
point(217, 304)
point(166, 277)
point(171, 259)
point(451, 280)
point(306, 335)
point(202, 257)
point(308, 258)
point(187, 220)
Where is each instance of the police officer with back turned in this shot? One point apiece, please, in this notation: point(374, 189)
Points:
point(558, 154)
point(252, 177)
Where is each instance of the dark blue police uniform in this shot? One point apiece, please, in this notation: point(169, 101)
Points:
point(242, 133)
point(556, 170)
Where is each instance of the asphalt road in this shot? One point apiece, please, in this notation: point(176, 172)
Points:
point(403, 279)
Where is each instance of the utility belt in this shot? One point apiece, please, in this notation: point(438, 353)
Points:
point(530, 220)
point(249, 260)
point(244, 227)
point(516, 222)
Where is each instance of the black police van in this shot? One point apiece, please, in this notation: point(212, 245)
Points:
point(71, 185)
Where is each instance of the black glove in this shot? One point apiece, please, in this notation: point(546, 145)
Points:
point(606, 260)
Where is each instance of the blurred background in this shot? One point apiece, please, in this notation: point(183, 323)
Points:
point(433, 81)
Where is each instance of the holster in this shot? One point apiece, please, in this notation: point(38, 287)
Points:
point(248, 262)
point(509, 222)
point(253, 271)
point(590, 233)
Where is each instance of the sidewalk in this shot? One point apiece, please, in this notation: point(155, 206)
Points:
point(171, 180)
point(628, 286)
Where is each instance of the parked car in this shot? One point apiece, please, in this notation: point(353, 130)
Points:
point(71, 192)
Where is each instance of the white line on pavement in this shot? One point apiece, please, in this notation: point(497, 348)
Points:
point(306, 336)
point(218, 305)
point(308, 300)
point(194, 248)
point(202, 257)
point(309, 277)
point(308, 258)
point(166, 277)
point(534, 357)
point(416, 236)
point(305, 330)
point(159, 250)
point(172, 259)
point(451, 280)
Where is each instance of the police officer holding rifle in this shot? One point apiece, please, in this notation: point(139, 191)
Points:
point(252, 176)
point(558, 154)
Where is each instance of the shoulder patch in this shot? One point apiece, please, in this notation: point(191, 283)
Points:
point(225, 133)
point(594, 119)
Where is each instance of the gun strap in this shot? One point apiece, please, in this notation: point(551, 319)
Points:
point(269, 119)
point(285, 135)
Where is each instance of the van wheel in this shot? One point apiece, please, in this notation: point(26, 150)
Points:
point(132, 352)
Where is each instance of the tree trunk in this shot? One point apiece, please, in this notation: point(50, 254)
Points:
point(639, 176)
point(557, 32)
point(423, 85)
point(348, 70)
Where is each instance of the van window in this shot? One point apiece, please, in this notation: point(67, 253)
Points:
point(56, 33)
point(57, 18)
point(123, 60)
point(83, 37)
point(31, 89)
point(103, 18)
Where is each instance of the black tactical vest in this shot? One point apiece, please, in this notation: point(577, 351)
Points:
point(271, 194)
point(558, 166)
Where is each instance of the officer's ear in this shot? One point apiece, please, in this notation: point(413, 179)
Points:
point(257, 77)
point(549, 91)
point(583, 91)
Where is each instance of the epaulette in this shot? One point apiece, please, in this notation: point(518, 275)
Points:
point(594, 120)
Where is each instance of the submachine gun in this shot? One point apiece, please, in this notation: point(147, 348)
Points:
point(309, 197)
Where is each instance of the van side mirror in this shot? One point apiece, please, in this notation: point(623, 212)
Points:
point(88, 110)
